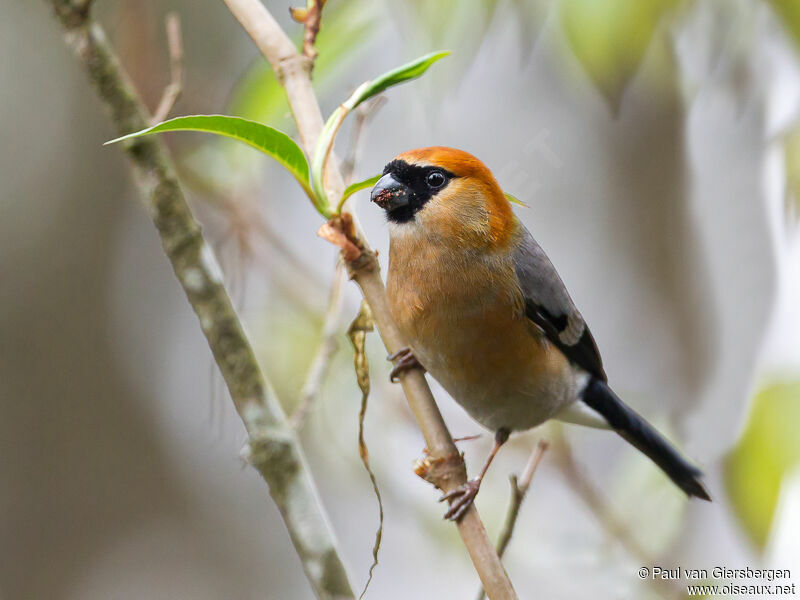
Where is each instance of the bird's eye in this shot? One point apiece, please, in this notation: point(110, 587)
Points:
point(435, 179)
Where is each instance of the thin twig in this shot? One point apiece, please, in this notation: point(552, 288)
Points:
point(447, 466)
point(593, 499)
point(328, 346)
point(174, 88)
point(519, 489)
point(272, 446)
point(311, 17)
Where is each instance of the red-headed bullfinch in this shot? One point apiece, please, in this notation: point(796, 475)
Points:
point(485, 312)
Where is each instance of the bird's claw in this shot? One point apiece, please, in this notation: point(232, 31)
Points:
point(403, 360)
point(463, 496)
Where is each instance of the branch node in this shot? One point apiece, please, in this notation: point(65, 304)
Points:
point(443, 472)
point(290, 66)
point(340, 231)
point(271, 448)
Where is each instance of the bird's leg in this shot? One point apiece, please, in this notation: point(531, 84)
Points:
point(403, 360)
point(464, 495)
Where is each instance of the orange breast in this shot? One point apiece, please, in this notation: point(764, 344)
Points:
point(463, 317)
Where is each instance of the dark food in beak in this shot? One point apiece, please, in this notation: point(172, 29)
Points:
point(389, 193)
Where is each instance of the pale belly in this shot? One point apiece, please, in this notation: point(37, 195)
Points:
point(490, 359)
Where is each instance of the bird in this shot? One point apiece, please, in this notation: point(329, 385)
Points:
point(484, 311)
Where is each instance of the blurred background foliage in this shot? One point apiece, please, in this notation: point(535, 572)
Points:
point(768, 452)
point(657, 143)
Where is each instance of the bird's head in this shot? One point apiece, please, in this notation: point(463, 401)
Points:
point(446, 193)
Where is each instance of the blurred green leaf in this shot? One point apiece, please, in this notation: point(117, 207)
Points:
point(448, 23)
point(407, 72)
point(791, 149)
point(357, 187)
point(768, 450)
point(514, 200)
point(271, 142)
point(610, 38)
point(258, 96)
point(789, 13)
point(465, 25)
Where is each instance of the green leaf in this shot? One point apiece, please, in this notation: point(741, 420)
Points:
point(357, 187)
point(364, 92)
point(768, 450)
point(610, 37)
point(789, 13)
point(791, 155)
point(271, 142)
point(514, 200)
point(223, 164)
point(401, 74)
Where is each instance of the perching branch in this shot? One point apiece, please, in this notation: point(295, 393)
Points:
point(445, 465)
point(174, 88)
point(272, 446)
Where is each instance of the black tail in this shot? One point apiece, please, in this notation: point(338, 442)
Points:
point(640, 434)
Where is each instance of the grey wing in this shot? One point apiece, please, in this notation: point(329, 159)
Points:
point(548, 305)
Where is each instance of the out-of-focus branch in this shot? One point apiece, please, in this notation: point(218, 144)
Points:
point(272, 447)
point(446, 467)
point(519, 489)
point(594, 501)
point(175, 86)
point(597, 505)
point(320, 365)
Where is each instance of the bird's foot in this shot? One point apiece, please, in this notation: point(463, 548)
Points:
point(463, 496)
point(403, 360)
